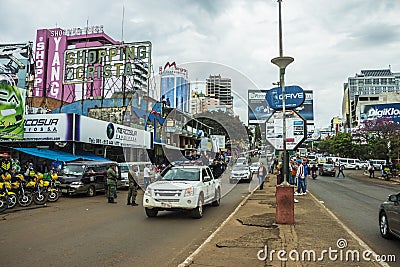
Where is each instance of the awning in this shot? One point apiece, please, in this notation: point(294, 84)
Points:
point(60, 155)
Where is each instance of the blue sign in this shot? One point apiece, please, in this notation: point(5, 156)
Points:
point(294, 97)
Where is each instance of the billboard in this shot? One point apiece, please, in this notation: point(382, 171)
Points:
point(294, 97)
point(389, 111)
point(12, 110)
point(99, 132)
point(15, 63)
point(259, 110)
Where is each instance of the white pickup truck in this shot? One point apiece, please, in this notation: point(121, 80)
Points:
point(183, 187)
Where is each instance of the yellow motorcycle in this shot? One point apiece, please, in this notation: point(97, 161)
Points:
point(37, 187)
point(52, 187)
point(8, 199)
point(24, 197)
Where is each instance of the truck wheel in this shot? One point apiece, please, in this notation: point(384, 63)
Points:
point(217, 198)
point(151, 212)
point(197, 213)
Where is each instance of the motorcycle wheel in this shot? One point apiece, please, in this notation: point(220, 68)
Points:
point(25, 200)
point(3, 203)
point(12, 201)
point(40, 199)
point(53, 195)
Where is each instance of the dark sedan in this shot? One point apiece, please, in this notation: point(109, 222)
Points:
point(327, 169)
point(389, 217)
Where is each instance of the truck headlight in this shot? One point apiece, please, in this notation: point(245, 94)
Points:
point(147, 192)
point(189, 192)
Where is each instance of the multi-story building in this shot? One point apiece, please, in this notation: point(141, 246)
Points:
point(175, 87)
point(368, 87)
point(203, 104)
point(220, 88)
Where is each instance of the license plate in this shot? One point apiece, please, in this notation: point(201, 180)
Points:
point(165, 205)
point(64, 190)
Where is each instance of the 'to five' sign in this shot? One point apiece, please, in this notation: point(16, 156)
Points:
point(294, 97)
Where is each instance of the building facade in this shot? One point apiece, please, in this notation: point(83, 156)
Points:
point(370, 87)
point(175, 87)
point(220, 88)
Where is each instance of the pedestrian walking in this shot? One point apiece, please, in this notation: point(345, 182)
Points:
point(341, 168)
point(371, 170)
point(111, 182)
point(261, 173)
point(133, 186)
point(301, 174)
point(146, 176)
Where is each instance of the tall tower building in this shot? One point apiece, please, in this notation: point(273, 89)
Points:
point(220, 88)
point(175, 87)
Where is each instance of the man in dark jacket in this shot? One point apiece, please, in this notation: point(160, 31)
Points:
point(111, 182)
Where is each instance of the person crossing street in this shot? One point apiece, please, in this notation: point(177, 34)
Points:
point(133, 186)
point(111, 182)
point(341, 168)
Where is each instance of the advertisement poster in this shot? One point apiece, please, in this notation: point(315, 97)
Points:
point(389, 111)
point(99, 132)
point(14, 63)
point(258, 109)
point(12, 109)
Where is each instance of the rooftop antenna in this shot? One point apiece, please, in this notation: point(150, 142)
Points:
point(122, 26)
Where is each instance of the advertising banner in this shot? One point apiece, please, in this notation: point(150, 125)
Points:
point(99, 132)
point(389, 111)
point(14, 63)
point(294, 97)
point(12, 109)
point(258, 109)
point(307, 109)
point(47, 127)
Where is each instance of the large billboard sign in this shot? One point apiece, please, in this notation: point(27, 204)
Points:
point(258, 109)
point(294, 97)
point(99, 132)
point(389, 111)
point(15, 63)
point(12, 110)
point(84, 65)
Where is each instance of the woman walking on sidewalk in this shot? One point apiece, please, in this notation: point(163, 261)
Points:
point(261, 173)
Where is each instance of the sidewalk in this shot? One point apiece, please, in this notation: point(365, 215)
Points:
point(250, 237)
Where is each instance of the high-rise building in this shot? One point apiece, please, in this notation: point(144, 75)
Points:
point(220, 88)
point(373, 82)
point(368, 87)
point(175, 87)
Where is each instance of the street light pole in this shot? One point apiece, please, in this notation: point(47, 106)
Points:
point(282, 62)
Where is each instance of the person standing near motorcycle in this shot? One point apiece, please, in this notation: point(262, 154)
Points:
point(111, 182)
point(133, 186)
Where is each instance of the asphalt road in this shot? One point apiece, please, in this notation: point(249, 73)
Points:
point(82, 231)
point(356, 202)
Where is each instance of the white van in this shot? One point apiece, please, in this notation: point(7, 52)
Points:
point(349, 163)
point(377, 163)
point(124, 168)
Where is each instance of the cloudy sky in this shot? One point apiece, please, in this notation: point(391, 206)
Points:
point(330, 40)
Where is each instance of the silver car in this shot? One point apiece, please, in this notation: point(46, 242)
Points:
point(389, 217)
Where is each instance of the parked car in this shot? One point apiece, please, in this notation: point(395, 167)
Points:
point(242, 161)
point(254, 167)
point(183, 187)
point(389, 217)
point(327, 169)
point(240, 173)
point(83, 177)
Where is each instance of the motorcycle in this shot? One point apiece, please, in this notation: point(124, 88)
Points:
point(9, 198)
point(37, 187)
point(53, 190)
point(24, 197)
point(314, 174)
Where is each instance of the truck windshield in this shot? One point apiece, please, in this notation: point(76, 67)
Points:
point(178, 174)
